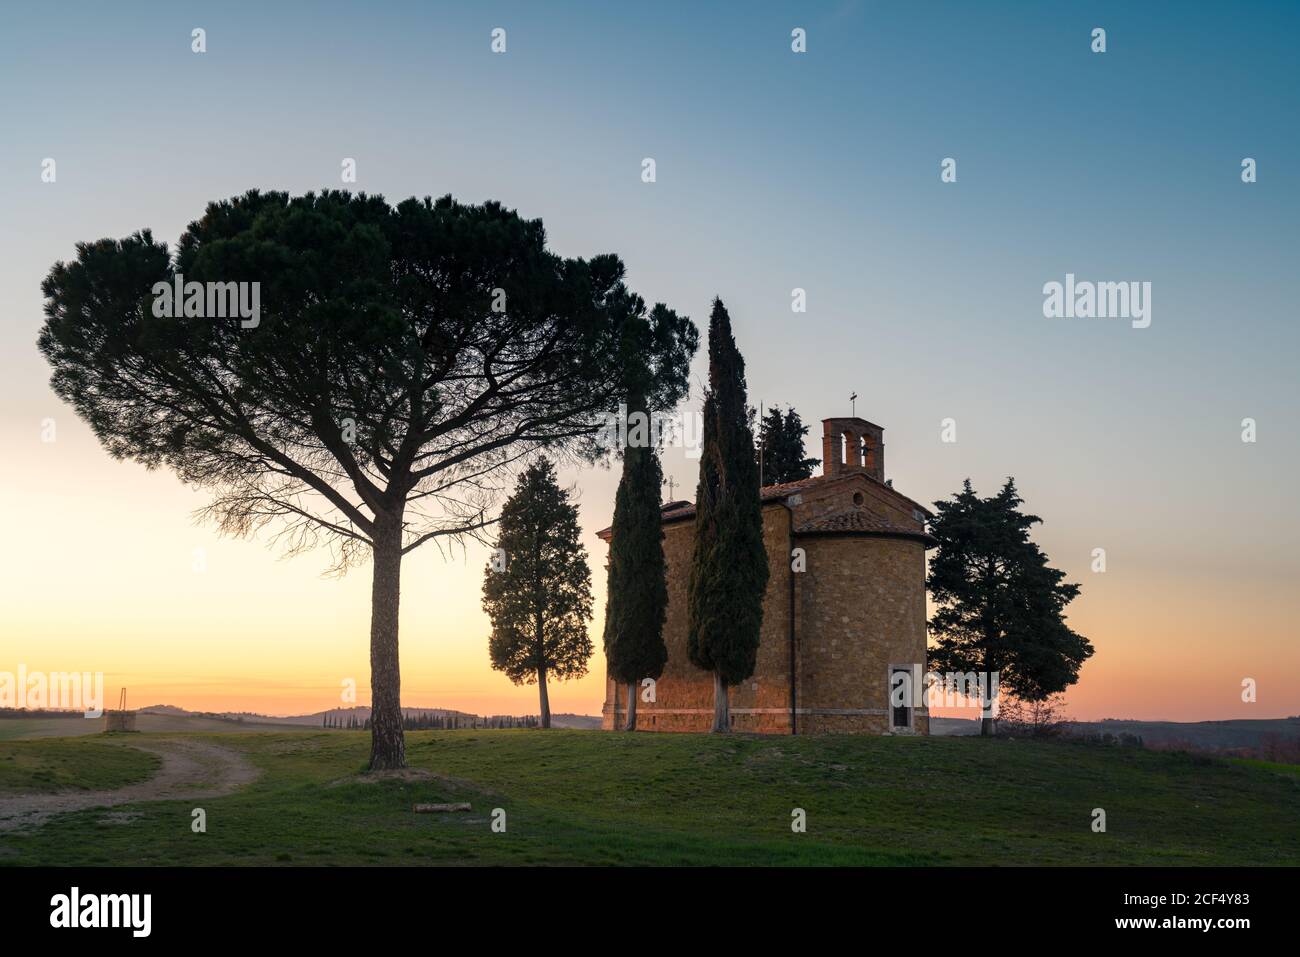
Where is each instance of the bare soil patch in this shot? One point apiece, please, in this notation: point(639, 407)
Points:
point(190, 769)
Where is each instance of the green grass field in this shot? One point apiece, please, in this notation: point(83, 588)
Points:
point(71, 764)
point(582, 797)
point(23, 728)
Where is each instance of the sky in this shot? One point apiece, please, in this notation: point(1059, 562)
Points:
point(775, 170)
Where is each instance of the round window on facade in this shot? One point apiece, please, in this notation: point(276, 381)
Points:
point(857, 498)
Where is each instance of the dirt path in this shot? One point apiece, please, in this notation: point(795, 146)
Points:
point(190, 769)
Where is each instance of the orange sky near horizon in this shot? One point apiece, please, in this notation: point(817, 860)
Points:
point(107, 580)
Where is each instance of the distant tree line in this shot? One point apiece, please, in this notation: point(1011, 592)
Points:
point(427, 721)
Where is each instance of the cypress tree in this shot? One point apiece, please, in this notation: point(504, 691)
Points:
point(729, 566)
point(540, 602)
point(638, 583)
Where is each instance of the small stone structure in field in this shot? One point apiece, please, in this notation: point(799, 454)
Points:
point(120, 719)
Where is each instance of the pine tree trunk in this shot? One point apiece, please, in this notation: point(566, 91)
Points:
point(988, 723)
point(988, 696)
point(387, 743)
point(546, 701)
point(631, 707)
point(721, 710)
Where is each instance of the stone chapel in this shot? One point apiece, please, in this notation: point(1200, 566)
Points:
point(834, 634)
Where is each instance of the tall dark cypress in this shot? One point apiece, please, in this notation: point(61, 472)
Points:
point(638, 581)
point(729, 566)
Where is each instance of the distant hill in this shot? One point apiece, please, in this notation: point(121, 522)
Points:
point(954, 726)
point(314, 720)
point(362, 714)
point(1200, 735)
point(165, 709)
point(1203, 735)
point(341, 716)
point(580, 722)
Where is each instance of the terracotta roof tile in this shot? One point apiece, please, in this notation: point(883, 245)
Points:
point(674, 511)
point(857, 520)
